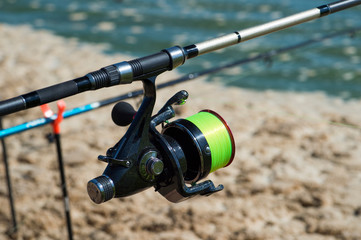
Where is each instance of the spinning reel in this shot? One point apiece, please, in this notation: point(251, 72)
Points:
point(173, 160)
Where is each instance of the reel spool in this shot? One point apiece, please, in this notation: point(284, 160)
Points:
point(207, 142)
point(173, 161)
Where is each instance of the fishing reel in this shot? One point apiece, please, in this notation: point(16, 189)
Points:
point(173, 160)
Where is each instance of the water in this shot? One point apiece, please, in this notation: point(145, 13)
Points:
point(141, 27)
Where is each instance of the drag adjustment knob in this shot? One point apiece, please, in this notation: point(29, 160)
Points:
point(101, 189)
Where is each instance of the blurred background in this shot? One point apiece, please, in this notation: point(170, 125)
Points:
point(140, 27)
point(296, 173)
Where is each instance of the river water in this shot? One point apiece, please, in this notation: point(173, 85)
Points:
point(141, 27)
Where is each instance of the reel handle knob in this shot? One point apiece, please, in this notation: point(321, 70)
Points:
point(101, 189)
point(123, 114)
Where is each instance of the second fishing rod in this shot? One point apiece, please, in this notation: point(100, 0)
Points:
point(266, 56)
point(168, 59)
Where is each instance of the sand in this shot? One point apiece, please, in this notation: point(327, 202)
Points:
point(296, 174)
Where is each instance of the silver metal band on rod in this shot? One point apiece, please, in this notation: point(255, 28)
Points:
point(253, 32)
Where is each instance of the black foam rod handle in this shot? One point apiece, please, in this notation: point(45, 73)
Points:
point(44, 95)
point(12, 105)
point(151, 65)
point(123, 114)
point(39, 97)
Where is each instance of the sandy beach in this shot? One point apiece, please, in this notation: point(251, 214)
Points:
point(296, 173)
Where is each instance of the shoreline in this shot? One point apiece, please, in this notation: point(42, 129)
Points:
point(295, 174)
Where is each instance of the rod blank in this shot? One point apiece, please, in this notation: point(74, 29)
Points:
point(342, 5)
point(273, 26)
point(253, 32)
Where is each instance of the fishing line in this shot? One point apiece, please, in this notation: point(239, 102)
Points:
point(344, 125)
point(218, 135)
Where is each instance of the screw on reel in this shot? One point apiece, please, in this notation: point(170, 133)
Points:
point(173, 160)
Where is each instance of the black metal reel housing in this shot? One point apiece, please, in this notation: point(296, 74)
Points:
point(144, 157)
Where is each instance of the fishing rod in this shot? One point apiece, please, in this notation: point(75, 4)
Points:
point(185, 151)
point(168, 59)
point(190, 76)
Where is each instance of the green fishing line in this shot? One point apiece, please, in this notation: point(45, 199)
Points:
point(218, 136)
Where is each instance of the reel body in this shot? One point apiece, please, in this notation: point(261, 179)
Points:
point(172, 161)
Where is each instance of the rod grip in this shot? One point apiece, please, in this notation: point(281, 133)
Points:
point(150, 65)
point(39, 97)
point(56, 92)
point(12, 105)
